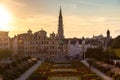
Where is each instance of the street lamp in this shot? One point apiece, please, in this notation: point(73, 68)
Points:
point(83, 48)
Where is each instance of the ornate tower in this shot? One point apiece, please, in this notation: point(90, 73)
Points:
point(108, 34)
point(60, 34)
point(108, 39)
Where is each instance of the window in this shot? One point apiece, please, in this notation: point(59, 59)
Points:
point(32, 43)
point(36, 42)
point(33, 47)
point(42, 42)
point(47, 42)
point(1, 44)
point(52, 42)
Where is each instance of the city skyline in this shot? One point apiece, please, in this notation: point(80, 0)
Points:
point(80, 18)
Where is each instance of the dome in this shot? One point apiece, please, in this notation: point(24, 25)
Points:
point(52, 35)
point(30, 31)
point(42, 31)
point(41, 34)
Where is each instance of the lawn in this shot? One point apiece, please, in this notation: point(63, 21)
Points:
point(117, 51)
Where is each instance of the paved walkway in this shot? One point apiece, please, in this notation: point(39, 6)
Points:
point(105, 77)
point(29, 72)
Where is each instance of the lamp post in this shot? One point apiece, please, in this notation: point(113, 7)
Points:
point(109, 49)
point(83, 48)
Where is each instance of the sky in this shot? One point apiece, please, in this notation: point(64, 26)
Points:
point(80, 17)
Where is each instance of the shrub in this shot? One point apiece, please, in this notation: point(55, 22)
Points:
point(116, 77)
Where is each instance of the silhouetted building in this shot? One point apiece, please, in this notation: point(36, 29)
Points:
point(108, 41)
point(39, 45)
point(4, 40)
point(108, 34)
point(55, 47)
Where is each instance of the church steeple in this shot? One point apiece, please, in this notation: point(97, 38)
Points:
point(60, 14)
point(60, 34)
point(108, 34)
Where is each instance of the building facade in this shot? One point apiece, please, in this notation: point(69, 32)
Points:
point(4, 40)
point(78, 48)
point(56, 46)
point(39, 45)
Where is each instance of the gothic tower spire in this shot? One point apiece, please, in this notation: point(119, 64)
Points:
point(108, 34)
point(60, 34)
point(60, 14)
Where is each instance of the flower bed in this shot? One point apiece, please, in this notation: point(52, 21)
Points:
point(89, 76)
point(57, 65)
point(74, 70)
point(64, 78)
point(108, 70)
point(63, 70)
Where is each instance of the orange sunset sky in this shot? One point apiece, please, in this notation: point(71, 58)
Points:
point(80, 17)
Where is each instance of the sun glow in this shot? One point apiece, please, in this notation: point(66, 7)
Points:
point(5, 18)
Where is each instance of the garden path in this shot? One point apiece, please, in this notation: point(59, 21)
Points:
point(29, 72)
point(105, 77)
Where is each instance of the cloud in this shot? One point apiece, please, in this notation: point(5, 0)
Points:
point(74, 6)
point(73, 25)
point(101, 19)
point(117, 31)
point(14, 3)
point(77, 21)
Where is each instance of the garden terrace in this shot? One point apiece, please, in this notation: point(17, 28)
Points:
point(15, 69)
point(109, 70)
point(74, 70)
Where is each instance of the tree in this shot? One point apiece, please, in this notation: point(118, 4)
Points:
point(100, 54)
point(116, 43)
point(4, 54)
point(95, 53)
